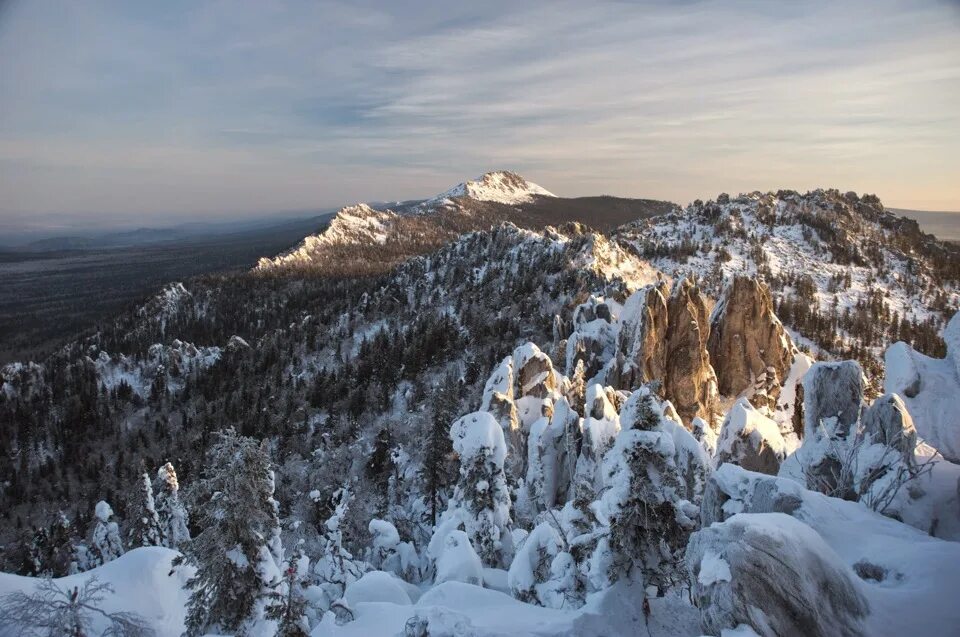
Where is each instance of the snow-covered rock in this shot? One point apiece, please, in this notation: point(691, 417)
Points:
point(458, 562)
point(751, 440)
point(643, 335)
point(775, 574)
point(930, 389)
point(901, 567)
point(832, 399)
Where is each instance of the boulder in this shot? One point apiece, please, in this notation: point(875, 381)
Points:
point(534, 371)
point(832, 398)
point(775, 574)
point(751, 440)
point(748, 345)
point(887, 422)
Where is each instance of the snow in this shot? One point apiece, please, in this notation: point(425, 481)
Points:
point(458, 562)
point(385, 534)
point(743, 421)
point(930, 388)
point(713, 568)
point(143, 582)
point(377, 586)
point(500, 187)
point(479, 433)
point(911, 599)
point(103, 511)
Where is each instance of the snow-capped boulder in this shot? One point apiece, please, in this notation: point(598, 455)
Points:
point(930, 389)
point(832, 398)
point(690, 383)
point(887, 422)
point(776, 575)
point(643, 336)
point(751, 440)
point(749, 348)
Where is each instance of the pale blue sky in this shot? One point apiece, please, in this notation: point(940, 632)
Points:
point(146, 112)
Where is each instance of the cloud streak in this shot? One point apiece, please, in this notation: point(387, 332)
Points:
point(217, 108)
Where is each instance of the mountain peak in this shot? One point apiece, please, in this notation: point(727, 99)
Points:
point(499, 186)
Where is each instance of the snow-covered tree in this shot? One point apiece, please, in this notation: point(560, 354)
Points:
point(171, 511)
point(530, 571)
point(143, 519)
point(647, 521)
point(238, 552)
point(482, 499)
point(336, 569)
point(288, 605)
point(105, 543)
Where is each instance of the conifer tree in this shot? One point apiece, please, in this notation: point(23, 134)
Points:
point(105, 543)
point(144, 521)
point(238, 552)
point(171, 511)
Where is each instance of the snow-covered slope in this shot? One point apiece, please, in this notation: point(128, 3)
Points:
point(142, 582)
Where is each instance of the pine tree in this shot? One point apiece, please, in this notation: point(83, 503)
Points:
point(144, 521)
point(288, 604)
point(237, 553)
point(647, 522)
point(437, 474)
point(337, 568)
point(105, 545)
point(481, 498)
point(171, 512)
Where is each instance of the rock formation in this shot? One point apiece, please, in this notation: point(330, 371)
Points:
point(643, 337)
point(748, 345)
point(832, 398)
point(690, 383)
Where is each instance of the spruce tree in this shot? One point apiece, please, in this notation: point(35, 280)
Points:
point(171, 511)
point(105, 543)
point(237, 553)
point(144, 521)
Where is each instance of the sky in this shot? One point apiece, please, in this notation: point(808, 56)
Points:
point(148, 113)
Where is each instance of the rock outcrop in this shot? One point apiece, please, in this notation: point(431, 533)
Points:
point(748, 345)
point(690, 383)
point(775, 574)
point(643, 337)
point(534, 371)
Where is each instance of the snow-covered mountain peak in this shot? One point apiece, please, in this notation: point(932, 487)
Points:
point(500, 186)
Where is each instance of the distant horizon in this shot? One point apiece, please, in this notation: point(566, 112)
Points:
point(16, 236)
point(137, 113)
